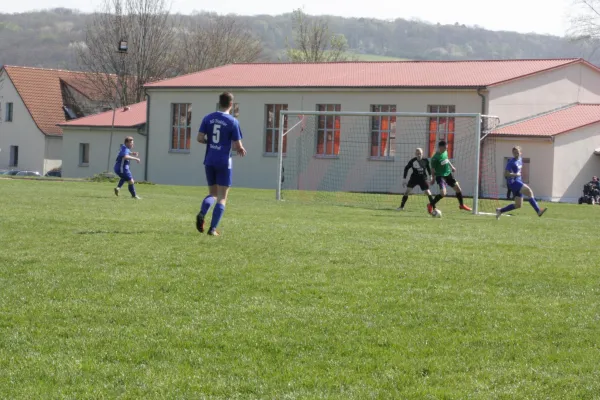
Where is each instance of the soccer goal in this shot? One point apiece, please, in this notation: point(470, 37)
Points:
point(358, 158)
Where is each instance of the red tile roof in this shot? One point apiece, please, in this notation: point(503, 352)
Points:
point(553, 123)
point(451, 74)
point(125, 117)
point(40, 90)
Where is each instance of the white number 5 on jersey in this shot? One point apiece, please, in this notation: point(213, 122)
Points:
point(216, 133)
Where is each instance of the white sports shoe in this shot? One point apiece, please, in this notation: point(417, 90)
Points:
point(498, 213)
point(400, 209)
point(137, 198)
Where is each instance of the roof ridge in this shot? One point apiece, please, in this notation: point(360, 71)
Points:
point(571, 59)
point(542, 114)
point(54, 70)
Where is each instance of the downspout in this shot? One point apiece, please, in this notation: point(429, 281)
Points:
point(147, 136)
point(483, 100)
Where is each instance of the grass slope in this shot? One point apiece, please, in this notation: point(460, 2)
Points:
point(105, 297)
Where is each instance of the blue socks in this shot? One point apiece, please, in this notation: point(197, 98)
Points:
point(217, 214)
point(132, 190)
point(206, 204)
point(121, 183)
point(508, 208)
point(534, 204)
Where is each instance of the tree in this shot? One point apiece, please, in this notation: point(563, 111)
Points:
point(313, 41)
point(150, 33)
point(214, 40)
point(584, 27)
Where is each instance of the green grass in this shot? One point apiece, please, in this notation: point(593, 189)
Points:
point(105, 297)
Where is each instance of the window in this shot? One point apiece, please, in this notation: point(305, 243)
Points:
point(272, 128)
point(328, 131)
point(235, 110)
point(84, 154)
point(14, 156)
point(9, 112)
point(181, 127)
point(524, 170)
point(441, 128)
point(383, 133)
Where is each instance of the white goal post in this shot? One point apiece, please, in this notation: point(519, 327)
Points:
point(356, 133)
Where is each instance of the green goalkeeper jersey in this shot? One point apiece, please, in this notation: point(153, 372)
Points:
point(441, 164)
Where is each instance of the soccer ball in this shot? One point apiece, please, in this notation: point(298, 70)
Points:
point(436, 213)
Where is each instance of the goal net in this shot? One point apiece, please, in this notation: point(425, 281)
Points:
point(358, 159)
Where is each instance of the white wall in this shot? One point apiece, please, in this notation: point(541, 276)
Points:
point(540, 151)
point(53, 153)
point(98, 139)
point(22, 132)
point(544, 92)
point(575, 163)
point(258, 170)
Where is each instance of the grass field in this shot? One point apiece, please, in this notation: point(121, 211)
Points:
point(104, 297)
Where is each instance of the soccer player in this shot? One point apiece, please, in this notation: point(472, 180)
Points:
point(121, 167)
point(442, 173)
point(420, 172)
point(516, 185)
point(220, 132)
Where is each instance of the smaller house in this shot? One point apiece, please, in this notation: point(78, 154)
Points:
point(86, 141)
point(33, 104)
point(559, 150)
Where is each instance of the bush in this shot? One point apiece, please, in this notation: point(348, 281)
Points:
point(104, 177)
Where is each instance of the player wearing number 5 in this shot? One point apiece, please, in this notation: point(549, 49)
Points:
point(221, 133)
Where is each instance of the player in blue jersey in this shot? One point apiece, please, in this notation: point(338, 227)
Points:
point(122, 167)
point(516, 185)
point(221, 133)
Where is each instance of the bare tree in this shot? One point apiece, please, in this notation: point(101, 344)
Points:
point(584, 27)
point(150, 33)
point(215, 41)
point(314, 42)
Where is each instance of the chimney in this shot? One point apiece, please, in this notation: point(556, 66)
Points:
point(125, 109)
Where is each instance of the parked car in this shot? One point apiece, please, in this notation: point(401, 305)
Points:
point(12, 172)
point(55, 172)
point(28, 173)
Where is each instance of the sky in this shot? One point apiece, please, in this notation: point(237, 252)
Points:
point(540, 16)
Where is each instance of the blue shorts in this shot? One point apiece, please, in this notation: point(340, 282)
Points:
point(516, 187)
point(124, 174)
point(218, 175)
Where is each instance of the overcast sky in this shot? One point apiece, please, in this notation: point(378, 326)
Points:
point(541, 16)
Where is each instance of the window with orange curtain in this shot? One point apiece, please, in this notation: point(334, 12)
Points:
point(383, 133)
point(181, 127)
point(273, 112)
point(328, 131)
point(441, 128)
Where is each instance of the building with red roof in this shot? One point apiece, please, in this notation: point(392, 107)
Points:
point(87, 140)
point(513, 90)
point(33, 102)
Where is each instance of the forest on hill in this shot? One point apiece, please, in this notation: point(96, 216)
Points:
point(48, 38)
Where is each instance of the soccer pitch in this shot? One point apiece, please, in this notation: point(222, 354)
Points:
point(105, 297)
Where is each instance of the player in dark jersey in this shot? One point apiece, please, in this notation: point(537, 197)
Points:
point(121, 167)
point(419, 177)
point(517, 186)
point(221, 133)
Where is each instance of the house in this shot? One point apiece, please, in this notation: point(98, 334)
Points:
point(33, 101)
point(86, 141)
point(513, 90)
point(560, 144)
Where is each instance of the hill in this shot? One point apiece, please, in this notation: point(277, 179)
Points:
point(45, 39)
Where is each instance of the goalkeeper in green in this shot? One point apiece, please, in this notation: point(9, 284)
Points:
point(442, 173)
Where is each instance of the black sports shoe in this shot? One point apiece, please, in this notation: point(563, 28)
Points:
point(542, 211)
point(200, 222)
